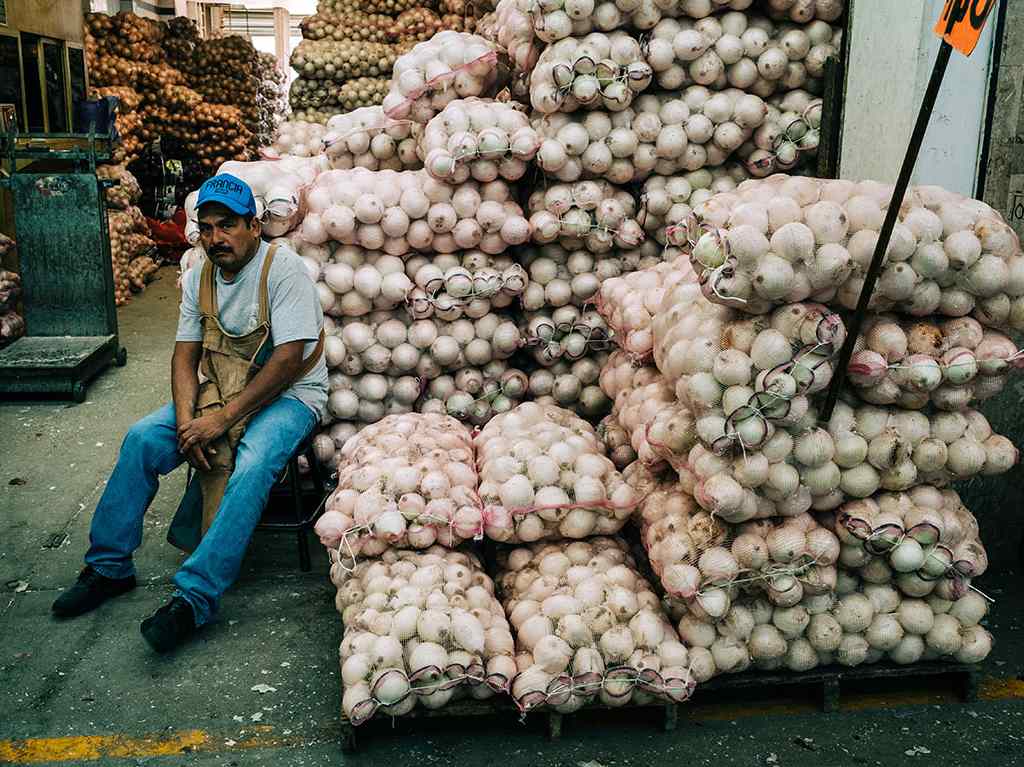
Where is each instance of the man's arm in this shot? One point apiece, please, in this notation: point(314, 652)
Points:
point(184, 390)
point(279, 372)
point(188, 350)
point(185, 379)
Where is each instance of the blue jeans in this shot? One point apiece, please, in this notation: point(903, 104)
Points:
point(150, 449)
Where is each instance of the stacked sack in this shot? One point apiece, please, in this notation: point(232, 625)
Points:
point(739, 100)
point(412, 268)
point(595, 131)
point(345, 58)
point(350, 46)
point(643, 92)
point(587, 624)
point(413, 272)
point(243, 91)
point(417, 276)
point(420, 241)
point(423, 249)
point(117, 49)
point(675, 102)
point(272, 100)
point(215, 100)
point(12, 325)
point(572, 620)
point(132, 252)
point(227, 73)
point(782, 541)
point(422, 624)
point(126, 58)
point(777, 539)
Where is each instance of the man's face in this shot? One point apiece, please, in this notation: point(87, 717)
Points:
point(227, 239)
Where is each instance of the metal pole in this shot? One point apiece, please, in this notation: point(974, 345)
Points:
point(898, 192)
point(282, 31)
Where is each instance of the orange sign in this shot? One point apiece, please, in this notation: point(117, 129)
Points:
point(962, 21)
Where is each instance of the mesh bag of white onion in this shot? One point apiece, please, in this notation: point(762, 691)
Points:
point(588, 628)
point(630, 302)
point(422, 628)
point(739, 373)
point(407, 481)
point(784, 239)
point(450, 65)
point(368, 138)
point(803, 467)
point(707, 563)
point(924, 541)
point(544, 475)
point(861, 623)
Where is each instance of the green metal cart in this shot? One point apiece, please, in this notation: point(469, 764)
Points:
point(60, 220)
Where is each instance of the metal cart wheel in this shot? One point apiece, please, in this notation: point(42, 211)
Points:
point(78, 391)
point(121, 358)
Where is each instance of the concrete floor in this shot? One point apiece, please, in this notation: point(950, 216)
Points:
point(90, 692)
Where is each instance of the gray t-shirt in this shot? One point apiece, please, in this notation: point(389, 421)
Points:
point(295, 313)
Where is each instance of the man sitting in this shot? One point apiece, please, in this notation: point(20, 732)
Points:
point(251, 321)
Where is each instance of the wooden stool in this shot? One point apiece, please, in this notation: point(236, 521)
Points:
point(293, 508)
point(290, 507)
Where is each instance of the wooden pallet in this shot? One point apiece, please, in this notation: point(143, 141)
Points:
point(493, 707)
point(499, 708)
point(827, 685)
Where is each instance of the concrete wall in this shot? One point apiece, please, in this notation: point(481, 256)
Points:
point(61, 20)
point(892, 49)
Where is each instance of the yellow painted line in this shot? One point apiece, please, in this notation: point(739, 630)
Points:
point(992, 688)
point(91, 747)
point(86, 748)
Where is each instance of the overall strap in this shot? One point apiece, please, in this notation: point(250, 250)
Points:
point(314, 357)
point(207, 290)
point(264, 291)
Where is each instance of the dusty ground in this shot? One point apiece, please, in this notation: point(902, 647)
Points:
point(90, 692)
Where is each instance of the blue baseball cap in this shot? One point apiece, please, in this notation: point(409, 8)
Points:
point(230, 191)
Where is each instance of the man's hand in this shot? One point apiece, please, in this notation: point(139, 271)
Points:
point(199, 432)
point(197, 458)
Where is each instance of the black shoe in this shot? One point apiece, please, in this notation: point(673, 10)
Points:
point(169, 626)
point(89, 592)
